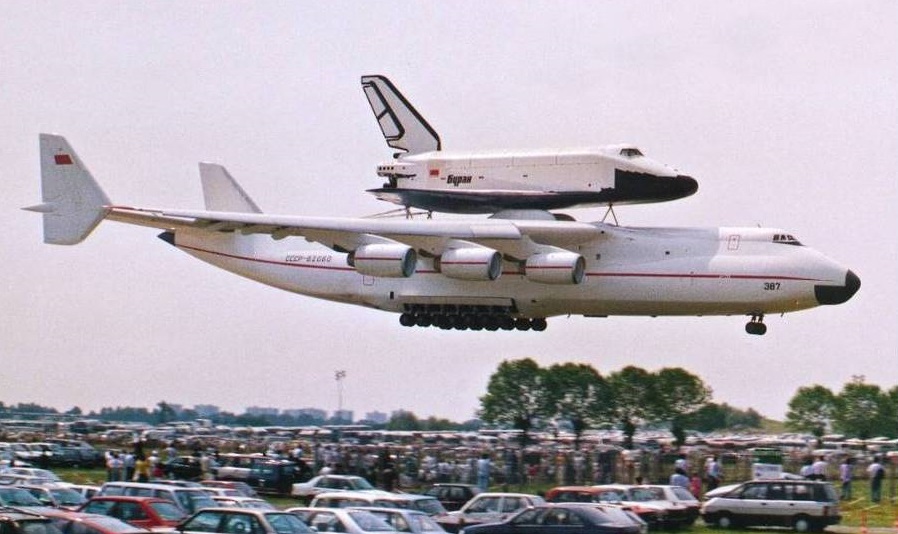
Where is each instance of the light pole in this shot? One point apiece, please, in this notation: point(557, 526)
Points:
point(339, 376)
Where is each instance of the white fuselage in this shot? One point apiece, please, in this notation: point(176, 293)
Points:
point(629, 271)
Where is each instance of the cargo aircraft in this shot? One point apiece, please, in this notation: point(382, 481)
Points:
point(422, 175)
point(512, 270)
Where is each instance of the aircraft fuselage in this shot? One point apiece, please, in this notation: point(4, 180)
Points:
point(630, 271)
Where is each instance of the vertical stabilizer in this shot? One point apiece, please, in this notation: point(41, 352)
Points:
point(221, 191)
point(73, 203)
point(403, 127)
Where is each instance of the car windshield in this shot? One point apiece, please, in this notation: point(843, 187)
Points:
point(17, 497)
point(167, 511)
point(428, 506)
point(67, 497)
point(285, 523)
point(369, 523)
point(360, 484)
point(38, 527)
point(683, 494)
point(110, 524)
point(646, 494)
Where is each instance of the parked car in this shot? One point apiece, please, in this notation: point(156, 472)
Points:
point(344, 520)
point(143, 512)
point(57, 496)
point(243, 521)
point(330, 483)
point(409, 501)
point(26, 522)
point(232, 485)
point(680, 505)
point(804, 505)
point(567, 519)
point(18, 497)
point(487, 508)
point(240, 501)
point(79, 523)
point(453, 496)
point(187, 499)
point(404, 520)
point(88, 490)
point(31, 472)
point(652, 514)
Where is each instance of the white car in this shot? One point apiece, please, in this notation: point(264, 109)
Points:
point(326, 483)
point(341, 520)
point(804, 505)
point(488, 508)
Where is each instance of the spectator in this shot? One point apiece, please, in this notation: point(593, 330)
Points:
point(877, 472)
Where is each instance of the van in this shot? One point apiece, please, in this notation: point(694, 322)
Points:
point(353, 499)
point(804, 505)
point(188, 499)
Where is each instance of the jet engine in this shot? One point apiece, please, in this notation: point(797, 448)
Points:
point(469, 263)
point(555, 268)
point(384, 259)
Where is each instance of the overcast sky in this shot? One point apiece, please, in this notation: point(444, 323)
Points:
point(785, 112)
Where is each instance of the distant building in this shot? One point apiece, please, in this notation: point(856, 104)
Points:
point(206, 410)
point(260, 411)
point(378, 418)
point(343, 415)
point(306, 413)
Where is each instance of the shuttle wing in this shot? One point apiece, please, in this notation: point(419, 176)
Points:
point(516, 239)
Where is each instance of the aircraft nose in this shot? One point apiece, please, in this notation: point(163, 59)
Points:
point(838, 294)
point(686, 185)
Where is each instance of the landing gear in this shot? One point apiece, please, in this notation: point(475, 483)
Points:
point(756, 326)
point(473, 321)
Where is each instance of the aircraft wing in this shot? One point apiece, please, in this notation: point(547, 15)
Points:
point(516, 239)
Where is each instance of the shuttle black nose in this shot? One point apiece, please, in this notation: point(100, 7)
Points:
point(838, 294)
point(687, 185)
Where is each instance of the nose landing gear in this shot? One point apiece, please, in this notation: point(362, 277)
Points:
point(756, 326)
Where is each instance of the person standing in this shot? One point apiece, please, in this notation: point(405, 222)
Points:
point(877, 472)
point(845, 475)
point(679, 478)
point(713, 473)
point(818, 469)
point(483, 472)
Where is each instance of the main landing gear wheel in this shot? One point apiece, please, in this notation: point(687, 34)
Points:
point(756, 326)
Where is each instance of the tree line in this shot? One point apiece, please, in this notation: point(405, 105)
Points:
point(859, 410)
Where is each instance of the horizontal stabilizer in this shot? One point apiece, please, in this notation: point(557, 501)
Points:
point(73, 203)
point(222, 192)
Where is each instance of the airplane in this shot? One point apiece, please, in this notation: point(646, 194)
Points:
point(512, 270)
point(424, 176)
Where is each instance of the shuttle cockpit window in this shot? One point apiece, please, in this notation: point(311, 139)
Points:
point(630, 152)
point(786, 239)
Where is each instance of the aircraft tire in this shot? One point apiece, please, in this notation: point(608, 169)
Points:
point(539, 324)
point(522, 324)
point(490, 322)
point(424, 320)
point(506, 323)
point(407, 319)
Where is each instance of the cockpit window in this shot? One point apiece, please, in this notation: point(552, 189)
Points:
point(786, 239)
point(630, 152)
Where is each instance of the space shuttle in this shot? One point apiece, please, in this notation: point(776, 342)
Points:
point(424, 176)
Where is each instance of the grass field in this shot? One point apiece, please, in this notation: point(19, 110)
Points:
point(881, 515)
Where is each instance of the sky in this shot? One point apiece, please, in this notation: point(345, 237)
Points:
point(785, 112)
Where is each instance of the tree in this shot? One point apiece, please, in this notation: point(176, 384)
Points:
point(578, 394)
point(677, 393)
point(403, 420)
point(811, 410)
point(862, 410)
point(164, 412)
point(515, 396)
point(633, 390)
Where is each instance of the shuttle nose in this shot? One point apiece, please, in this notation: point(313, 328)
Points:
point(838, 294)
point(686, 185)
point(636, 187)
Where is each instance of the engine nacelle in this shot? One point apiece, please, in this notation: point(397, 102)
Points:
point(555, 268)
point(469, 263)
point(384, 259)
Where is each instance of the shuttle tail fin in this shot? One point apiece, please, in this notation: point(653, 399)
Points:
point(73, 203)
point(221, 191)
point(403, 127)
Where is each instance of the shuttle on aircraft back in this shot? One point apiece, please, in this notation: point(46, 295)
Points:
point(512, 270)
point(423, 175)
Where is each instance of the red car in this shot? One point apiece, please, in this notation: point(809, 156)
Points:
point(78, 523)
point(143, 512)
